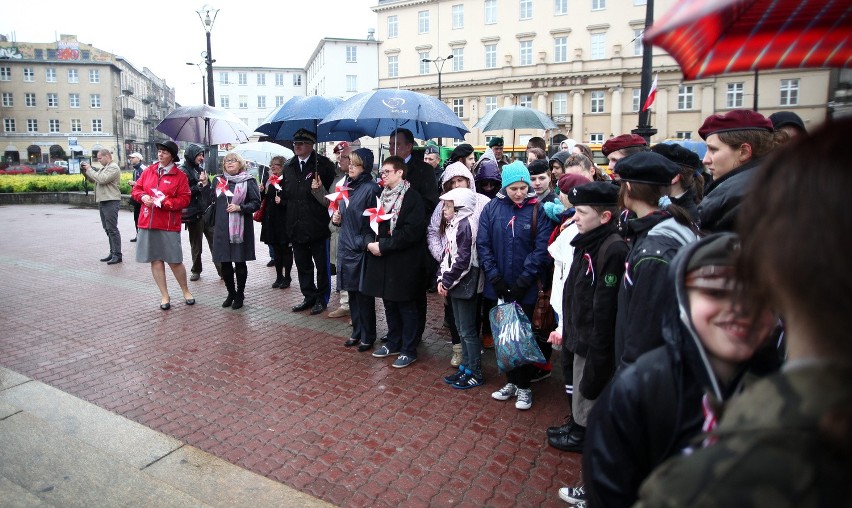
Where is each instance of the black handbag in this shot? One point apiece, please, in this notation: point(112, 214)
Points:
point(209, 215)
point(467, 286)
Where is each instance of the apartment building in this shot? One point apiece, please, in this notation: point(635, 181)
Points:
point(343, 67)
point(66, 98)
point(578, 61)
point(251, 93)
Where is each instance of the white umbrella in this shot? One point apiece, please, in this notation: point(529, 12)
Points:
point(204, 124)
point(262, 152)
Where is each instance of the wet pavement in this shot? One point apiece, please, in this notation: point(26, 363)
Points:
point(263, 388)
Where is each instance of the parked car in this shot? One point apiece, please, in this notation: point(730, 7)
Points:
point(56, 170)
point(19, 169)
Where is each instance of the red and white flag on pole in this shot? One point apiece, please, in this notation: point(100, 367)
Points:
point(652, 94)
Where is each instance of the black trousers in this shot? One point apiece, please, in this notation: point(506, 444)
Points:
point(312, 261)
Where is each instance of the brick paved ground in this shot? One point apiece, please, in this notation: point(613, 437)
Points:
point(264, 388)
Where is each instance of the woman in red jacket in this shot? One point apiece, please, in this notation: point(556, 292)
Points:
point(163, 190)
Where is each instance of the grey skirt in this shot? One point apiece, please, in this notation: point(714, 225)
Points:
point(158, 245)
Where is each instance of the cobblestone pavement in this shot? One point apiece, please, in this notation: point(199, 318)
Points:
point(266, 389)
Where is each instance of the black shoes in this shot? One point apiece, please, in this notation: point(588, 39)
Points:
point(286, 283)
point(561, 429)
point(277, 283)
point(318, 308)
point(384, 338)
point(570, 442)
point(271, 263)
point(238, 302)
point(364, 347)
point(114, 260)
point(306, 304)
point(133, 239)
point(351, 342)
point(333, 269)
point(165, 306)
point(229, 300)
point(109, 256)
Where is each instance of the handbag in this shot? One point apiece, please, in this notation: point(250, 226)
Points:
point(467, 286)
point(543, 316)
point(514, 342)
point(209, 215)
point(258, 215)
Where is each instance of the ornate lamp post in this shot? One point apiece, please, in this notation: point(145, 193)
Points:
point(439, 65)
point(207, 15)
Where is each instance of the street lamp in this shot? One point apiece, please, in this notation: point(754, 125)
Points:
point(203, 79)
point(439, 65)
point(207, 15)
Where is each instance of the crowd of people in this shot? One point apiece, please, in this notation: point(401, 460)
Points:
point(704, 358)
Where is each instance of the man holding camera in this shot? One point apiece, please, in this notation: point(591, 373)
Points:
point(108, 197)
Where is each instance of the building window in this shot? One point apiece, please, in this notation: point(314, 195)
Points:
point(30, 100)
point(490, 12)
point(597, 104)
point(76, 125)
point(393, 27)
point(393, 66)
point(224, 101)
point(560, 49)
point(50, 75)
point(97, 125)
point(8, 101)
point(490, 56)
point(351, 83)
point(351, 54)
point(85, 54)
point(279, 79)
point(223, 78)
point(684, 97)
point(423, 22)
point(525, 100)
point(789, 92)
point(74, 100)
point(424, 66)
point(458, 59)
point(598, 5)
point(53, 100)
point(560, 7)
point(261, 79)
point(637, 95)
point(29, 74)
point(297, 80)
point(53, 125)
point(39, 54)
point(596, 137)
point(95, 100)
point(5, 73)
point(458, 107)
point(560, 103)
point(242, 78)
point(8, 125)
point(94, 76)
point(51, 54)
point(683, 134)
point(490, 103)
point(638, 46)
point(32, 125)
point(734, 97)
point(458, 16)
point(526, 53)
point(525, 7)
point(261, 102)
point(598, 46)
point(279, 100)
point(243, 101)
point(73, 76)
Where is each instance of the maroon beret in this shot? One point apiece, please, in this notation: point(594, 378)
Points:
point(570, 180)
point(624, 141)
point(735, 120)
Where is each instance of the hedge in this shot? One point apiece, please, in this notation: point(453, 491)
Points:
point(53, 183)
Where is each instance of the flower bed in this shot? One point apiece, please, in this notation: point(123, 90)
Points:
point(52, 183)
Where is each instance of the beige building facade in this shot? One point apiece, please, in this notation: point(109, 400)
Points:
point(578, 61)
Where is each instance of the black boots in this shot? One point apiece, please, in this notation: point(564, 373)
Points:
point(232, 291)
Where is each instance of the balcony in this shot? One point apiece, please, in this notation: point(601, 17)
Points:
point(129, 113)
point(563, 119)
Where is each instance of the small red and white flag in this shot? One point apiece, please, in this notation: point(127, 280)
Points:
point(652, 94)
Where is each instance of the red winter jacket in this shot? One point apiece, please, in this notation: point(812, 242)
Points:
point(174, 185)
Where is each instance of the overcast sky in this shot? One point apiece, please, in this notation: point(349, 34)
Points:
point(165, 34)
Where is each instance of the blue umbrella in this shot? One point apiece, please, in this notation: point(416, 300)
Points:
point(380, 112)
point(303, 113)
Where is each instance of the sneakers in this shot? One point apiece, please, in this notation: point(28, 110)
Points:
point(539, 375)
point(524, 398)
point(383, 352)
point(456, 359)
point(573, 495)
point(338, 312)
point(469, 380)
point(505, 393)
point(487, 341)
point(403, 361)
point(455, 376)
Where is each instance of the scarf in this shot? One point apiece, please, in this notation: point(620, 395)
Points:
point(392, 201)
point(236, 221)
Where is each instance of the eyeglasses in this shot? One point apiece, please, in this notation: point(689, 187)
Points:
point(300, 143)
point(231, 160)
point(386, 172)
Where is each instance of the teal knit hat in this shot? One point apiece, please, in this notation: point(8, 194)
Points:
point(514, 173)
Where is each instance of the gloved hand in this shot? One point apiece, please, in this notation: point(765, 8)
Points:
point(502, 289)
point(520, 288)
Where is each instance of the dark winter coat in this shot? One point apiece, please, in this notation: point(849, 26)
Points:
point(274, 224)
point(223, 250)
point(687, 202)
point(397, 275)
point(307, 213)
point(506, 246)
point(421, 176)
point(198, 200)
point(643, 294)
point(721, 204)
point(590, 304)
point(351, 246)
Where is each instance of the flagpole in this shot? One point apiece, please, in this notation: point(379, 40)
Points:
point(644, 128)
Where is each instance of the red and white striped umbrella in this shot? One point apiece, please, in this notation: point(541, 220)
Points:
point(712, 37)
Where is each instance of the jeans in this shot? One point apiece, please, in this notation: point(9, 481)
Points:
point(464, 311)
point(402, 319)
point(109, 220)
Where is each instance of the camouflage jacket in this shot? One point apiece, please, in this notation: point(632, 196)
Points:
point(786, 441)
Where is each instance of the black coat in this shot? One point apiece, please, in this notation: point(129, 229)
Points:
point(307, 214)
point(223, 249)
point(355, 227)
point(721, 204)
point(421, 176)
point(397, 275)
point(199, 197)
point(274, 224)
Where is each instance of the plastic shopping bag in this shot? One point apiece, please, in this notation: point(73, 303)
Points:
point(513, 337)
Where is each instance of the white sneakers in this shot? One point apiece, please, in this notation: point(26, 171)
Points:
point(524, 395)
